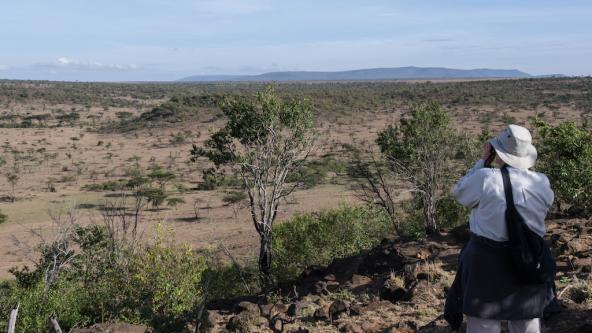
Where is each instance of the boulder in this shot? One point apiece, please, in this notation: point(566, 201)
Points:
point(338, 307)
point(246, 306)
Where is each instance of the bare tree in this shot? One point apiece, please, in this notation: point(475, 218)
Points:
point(196, 207)
point(377, 186)
point(57, 253)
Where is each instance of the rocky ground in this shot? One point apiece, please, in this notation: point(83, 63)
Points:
point(399, 286)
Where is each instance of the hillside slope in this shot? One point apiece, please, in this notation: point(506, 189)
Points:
point(400, 286)
point(397, 73)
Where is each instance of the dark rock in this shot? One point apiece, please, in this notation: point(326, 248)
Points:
point(239, 323)
point(356, 310)
point(213, 317)
point(357, 281)
point(403, 327)
point(394, 293)
point(583, 264)
point(382, 259)
point(461, 234)
point(338, 307)
point(277, 309)
point(323, 312)
point(278, 322)
point(439, 325)
point(266, 309)
point(294, 309)
point(251, 308)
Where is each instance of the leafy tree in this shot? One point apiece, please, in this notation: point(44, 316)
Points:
point(263, 141)
point(161, 177)
point(154, 195)
point(565, 156)
point(419, 152)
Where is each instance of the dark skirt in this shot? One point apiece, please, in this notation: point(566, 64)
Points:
point(489, 288)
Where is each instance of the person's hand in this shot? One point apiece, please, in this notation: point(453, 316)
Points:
point(486, 151)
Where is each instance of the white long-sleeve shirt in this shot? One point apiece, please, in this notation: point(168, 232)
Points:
point(482, 190)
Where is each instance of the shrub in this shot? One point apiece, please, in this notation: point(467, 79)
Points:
point(565, 156)
point(318, 238)
point(159, 284)
point(450, 213)
point(3, 217)
point(112, 185)
point(65, 300)
point(315, 172)
point(228, 281)
point(419, 151)
point(167, 282)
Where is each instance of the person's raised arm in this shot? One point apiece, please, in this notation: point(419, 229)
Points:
point(467, 190)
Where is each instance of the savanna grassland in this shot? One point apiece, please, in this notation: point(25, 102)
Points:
point(154, 203)
point(69, 144)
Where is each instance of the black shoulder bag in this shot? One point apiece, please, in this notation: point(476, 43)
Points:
point(529, 253)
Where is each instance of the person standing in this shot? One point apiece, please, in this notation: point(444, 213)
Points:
point(486, 288)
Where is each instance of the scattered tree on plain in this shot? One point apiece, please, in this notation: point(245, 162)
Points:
point(263, 141)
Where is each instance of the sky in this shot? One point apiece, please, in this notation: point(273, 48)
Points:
point(161, 40)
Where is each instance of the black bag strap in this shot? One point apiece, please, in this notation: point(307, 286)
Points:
point(508, 189)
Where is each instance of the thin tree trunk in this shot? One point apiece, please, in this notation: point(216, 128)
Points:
point(12, 320)
point(265, 261)
point(429, 207)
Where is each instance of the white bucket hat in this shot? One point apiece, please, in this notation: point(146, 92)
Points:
point(514, 146)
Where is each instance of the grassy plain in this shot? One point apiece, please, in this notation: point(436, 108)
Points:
point(61, 137)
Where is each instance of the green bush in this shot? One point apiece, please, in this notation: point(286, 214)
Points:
point(3, 217)
point(159, 284)
point(450, 213)
point(318, 238)
point(565, 156)
point(65, 300)
point(315, 172)
point(166, 283)
point(112, 185)
point(229, 280)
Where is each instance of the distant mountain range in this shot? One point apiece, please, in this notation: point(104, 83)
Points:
point(397, 73)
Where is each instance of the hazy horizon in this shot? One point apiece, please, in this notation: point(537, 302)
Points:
point(158, 40)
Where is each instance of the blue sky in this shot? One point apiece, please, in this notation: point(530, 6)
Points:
point(129, 40)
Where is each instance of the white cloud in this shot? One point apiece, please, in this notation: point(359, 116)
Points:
point(64, 62)
point(3, 67)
